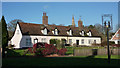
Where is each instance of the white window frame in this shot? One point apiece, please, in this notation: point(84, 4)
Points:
point(70, 41)
point(89, 41)
point(82, 41)
point(45, 31)
point(56, 32)
point(43, 39)
point(28, 41)
point(17, 31)
point(70, 32)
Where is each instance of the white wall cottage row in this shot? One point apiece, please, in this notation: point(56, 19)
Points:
point(19, 40)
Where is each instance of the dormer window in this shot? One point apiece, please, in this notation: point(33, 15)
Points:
point(70, 32)
point(82, 33)
point(89, 33)
point(56, 32)
point(44, 31)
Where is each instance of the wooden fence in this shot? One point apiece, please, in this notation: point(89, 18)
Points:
point(90, 52)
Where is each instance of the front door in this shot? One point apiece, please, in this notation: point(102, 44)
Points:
point(77, 42)
point(35, 41)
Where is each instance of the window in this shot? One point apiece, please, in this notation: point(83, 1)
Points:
point(89, 33)
point(82, 41)
point(82, 33)
point(70, 33)
point(45, 31)
point(117, 35)
point(70, 41)
point(43, 40)
point(89, 41)
point(56, 32)
point(17, 31)
point(28, 42)
point(35, 40)
point(95, 41)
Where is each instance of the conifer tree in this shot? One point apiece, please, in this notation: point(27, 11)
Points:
point(4, 36)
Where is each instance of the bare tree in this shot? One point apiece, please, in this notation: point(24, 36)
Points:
point(11, 26)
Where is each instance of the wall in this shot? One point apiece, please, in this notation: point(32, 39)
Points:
point(23, 40)
point(17, 37)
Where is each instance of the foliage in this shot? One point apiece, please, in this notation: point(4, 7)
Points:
point(58, 43)
point(105, 43)
point(10, 46)
point(49, 49)
point(11, 26)
point(52, 41)
point(62, 51)
point(116, 45)
point(91, 26)
point(0, 34)
point(4, 35)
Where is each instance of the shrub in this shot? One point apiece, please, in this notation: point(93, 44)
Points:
point(49, 49)
point(62, 51)
point(105, 43)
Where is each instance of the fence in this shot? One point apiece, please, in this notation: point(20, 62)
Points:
point(89, 52)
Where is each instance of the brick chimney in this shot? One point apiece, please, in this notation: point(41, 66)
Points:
point(80, 23)
point(45, 19)
point(73, 22)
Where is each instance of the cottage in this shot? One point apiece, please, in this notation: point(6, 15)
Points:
point(27, 34)
point(116, 37)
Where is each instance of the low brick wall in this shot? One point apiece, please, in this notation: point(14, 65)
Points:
point(89, 52)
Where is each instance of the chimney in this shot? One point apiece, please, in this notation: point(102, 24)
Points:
point(80, 23)
point(45, 19)
point(73, 22)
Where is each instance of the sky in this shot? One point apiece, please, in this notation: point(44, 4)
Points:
point(60, 12)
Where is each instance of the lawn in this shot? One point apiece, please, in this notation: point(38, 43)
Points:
point(12, 60)
point(81, 61)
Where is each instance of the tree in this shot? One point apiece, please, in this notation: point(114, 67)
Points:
point(12, 25)
point(4, 36)
point(91, 26)
point(0, 34)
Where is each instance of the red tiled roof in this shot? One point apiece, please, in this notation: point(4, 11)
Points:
point(115, 36)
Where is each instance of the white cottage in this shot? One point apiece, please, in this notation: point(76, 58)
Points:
point(27, 34)
point(116, 37)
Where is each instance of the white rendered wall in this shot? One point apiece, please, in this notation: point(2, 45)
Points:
point(23, 40)
point(17, 37)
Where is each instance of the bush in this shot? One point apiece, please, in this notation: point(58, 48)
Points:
point(62, 51)
point(48, 50)
point(105, 43)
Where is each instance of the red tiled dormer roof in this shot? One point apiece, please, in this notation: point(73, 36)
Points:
point(35, 29)
point(116, 35)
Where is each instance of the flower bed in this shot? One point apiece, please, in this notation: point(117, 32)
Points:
point(49, 49)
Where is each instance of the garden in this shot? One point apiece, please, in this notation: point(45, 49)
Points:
point(56, 55)
point(18, 58)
